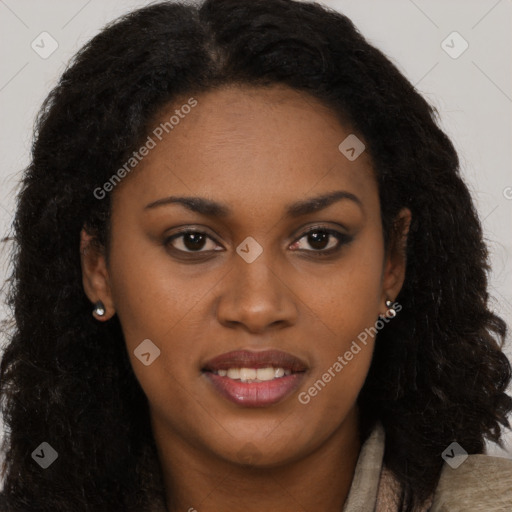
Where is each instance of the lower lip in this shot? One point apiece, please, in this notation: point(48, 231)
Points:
point(255, 394)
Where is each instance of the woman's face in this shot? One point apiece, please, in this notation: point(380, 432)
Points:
point(255, 161)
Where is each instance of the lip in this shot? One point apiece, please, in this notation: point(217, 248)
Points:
point(251, 359)
point(255, 394)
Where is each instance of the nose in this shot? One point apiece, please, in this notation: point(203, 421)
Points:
point(257, 297)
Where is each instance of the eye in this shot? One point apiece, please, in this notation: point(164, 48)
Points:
point(190, 241)
point(322, 240)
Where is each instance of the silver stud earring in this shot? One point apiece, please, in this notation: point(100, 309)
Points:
point(391, 312)
point(99, 308)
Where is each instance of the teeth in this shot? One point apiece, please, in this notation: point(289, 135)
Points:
point(254, 374)
point(247, 374)
point(266, 373)
point(279, 372)
point(234, 373)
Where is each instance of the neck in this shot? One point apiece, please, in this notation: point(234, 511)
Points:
point(318, 481)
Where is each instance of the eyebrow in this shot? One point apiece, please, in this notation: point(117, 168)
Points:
point(214, 209)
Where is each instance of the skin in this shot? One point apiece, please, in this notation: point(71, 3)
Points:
point(256, 151)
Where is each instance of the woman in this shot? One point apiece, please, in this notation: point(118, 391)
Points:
point(286, 274)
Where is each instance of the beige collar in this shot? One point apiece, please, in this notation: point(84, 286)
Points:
point(362, 496)
point(374, 488)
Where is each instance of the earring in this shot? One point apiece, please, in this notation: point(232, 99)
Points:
point(99, 308)
point(391, 312)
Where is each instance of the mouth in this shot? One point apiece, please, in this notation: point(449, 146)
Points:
point(255, 379)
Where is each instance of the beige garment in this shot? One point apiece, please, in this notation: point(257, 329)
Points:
point(480, 484)
point(374, 488)
point(363, 490)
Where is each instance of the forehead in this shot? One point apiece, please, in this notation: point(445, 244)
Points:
point(249, 142)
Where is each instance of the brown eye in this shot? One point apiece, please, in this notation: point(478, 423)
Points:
point(322, 240)
point(190, 241)
point(318, 239)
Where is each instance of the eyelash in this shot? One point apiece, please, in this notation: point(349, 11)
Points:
point(342, 239)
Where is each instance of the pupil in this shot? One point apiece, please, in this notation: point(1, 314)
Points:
point(317, 239)
point(197, 240)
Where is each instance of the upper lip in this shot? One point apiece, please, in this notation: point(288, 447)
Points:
point(250, 359)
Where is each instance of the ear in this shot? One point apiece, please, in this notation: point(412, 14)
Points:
point(396, 257)
point(95, 276)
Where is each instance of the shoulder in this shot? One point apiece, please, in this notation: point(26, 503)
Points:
point(480, 483)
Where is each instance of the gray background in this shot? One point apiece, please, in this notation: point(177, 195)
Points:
point(472, 93)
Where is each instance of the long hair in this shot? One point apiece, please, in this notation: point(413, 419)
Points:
point(438, 373)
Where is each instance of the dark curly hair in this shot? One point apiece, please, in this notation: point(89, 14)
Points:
point(438, 373)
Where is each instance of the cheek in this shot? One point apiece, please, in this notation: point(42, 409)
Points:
point(162, 303)
point(150, 296)
point(347, 307)
point(348, 298)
